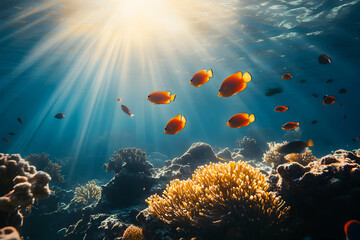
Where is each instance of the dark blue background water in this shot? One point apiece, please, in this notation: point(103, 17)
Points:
point(41, 75)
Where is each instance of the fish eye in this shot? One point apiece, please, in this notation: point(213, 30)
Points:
point(149, 96)
point(165, 129)
point(191, 80)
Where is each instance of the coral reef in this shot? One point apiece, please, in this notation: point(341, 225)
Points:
point(132, 233)
point(128, 159)
point(219, 193)
point(225, 154)
point(20, 184)
point(42, 162)
point(322, 193)
point(157, 159)
point(249, 148)
point(302, 158)
point(9, 233)
point(87, 194)
point(272, 156)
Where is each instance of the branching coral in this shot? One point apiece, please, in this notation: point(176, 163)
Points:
point(272, 156)
point(20, 183)
point(42, 162)
point(215, 192)
point(129, 159)
point(87, 194)
point(302, 158)
point(132, 233)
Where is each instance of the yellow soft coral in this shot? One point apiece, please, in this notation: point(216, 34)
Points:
point(216, 191)
point(87, 194)
point(132, 233)
point(302, 158)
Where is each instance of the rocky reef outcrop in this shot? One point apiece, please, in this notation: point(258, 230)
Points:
point(324, 194)
point(20, 185)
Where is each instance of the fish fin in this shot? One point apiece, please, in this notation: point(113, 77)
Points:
point(247, 77)
point(302, 150)
point(220, 94)
point(242, 87)
point(228, 124)
point(210, 73)
point(132, 115)
point(222, 160)
point(172, 98)
point(178, 117)
point(287, 108)
point(183, 119)
point(238, 75)
point(252, 118)
point(310, 143)
point(168, 93)
point(297, 124)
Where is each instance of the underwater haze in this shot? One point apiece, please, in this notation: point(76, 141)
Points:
point(78, 57)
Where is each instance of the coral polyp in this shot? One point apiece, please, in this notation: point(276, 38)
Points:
point(218, 191)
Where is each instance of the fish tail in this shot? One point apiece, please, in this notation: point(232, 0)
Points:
point(210, 73)
point(251, 118)
point(131, 115)
point(172, 98)
point(310, 143)
point(222, 160)
point(246, 77)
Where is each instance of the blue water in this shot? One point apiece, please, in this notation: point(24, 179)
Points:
point(83, 73)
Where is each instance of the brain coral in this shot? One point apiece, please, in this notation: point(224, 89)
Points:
point(20, 184)
point(215, 192)
point(129, 159)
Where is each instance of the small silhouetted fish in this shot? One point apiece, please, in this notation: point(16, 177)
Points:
point(126, 110)
point(12, 133)
point(303, 81)
point(60, 116)
point(20, 120)
point(295, 147)
point(342, 91)
point(273, 91)
point(323, 59)
point(345, 116)
point(340, 105)
point(6, 140)
point(329, 81)
point(314, 122)
point(315, 95)
point(327, 100)
point(353, 140)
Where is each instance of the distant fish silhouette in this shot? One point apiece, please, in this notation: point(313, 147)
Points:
point(345, 116)
point(314, 122)
point(303, 81)
point(342, 91)
point(315, 95)
point(340, 105)
point(329, 81)
point(328, 100)
point(20, 120)
point(126, 110)
point(60, 116)
point(323, 59)
point(272, 91)
point(6, 140)
point(12, 133)
point(286, 76)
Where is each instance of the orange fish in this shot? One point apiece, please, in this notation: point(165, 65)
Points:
point(175, 125)
point(233, 84)
point(346, 226)
point(159, 97)
point(126, 110)
point(328, 100)
point(118, 99)
point(281, 109)
point(290, 125)
point(201, 77)
point(286, 76)
point(240, 120)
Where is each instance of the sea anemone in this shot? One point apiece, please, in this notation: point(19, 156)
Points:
point(87, 194)
point(218, 191)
